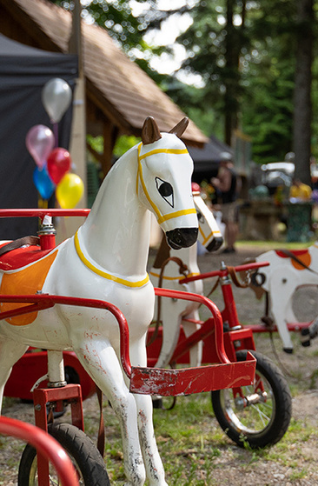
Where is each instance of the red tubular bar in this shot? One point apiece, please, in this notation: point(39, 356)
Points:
point(45, 444)
point(71, 393)
point(218, 322)
point(223, 273)
point(224, 374)
point(45, 301)
point(40, 213)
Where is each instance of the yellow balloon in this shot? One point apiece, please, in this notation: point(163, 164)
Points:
point(69, 191)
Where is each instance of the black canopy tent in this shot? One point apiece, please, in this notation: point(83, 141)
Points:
point(24, 71)
point(207, 160)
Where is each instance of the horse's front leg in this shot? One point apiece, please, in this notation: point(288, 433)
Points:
point(154, 468)
point(100, 360)
point(281, 289)
point(10, 352)
point(189, 328)
point(171, 319)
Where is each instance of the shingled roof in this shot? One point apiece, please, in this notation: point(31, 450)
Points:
point(124, 93)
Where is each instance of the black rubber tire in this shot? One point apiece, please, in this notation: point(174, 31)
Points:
point(83, 453)
point(258, 425)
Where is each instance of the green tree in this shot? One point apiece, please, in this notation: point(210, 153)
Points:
point(127, 29)
point(302, 93)
point(254, 58)
point(213, 43)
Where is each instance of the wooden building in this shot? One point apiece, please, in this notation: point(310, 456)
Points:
point(118, 94)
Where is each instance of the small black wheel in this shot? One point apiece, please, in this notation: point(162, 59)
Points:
point(85, 457)
point(261, 417)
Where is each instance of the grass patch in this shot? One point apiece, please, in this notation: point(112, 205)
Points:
point(272, 245)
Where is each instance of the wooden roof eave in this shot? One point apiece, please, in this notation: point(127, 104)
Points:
point(113, 115)
point(109, 110)
point(31, 27)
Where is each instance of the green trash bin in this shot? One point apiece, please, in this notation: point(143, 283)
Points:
point(299, 221)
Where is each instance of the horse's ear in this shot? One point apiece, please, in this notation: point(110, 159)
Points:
point(150, 131)
point(180, 127)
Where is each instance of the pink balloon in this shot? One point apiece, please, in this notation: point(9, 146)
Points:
point(40, 142)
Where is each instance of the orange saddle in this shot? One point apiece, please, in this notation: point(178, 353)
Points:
point(24, 273)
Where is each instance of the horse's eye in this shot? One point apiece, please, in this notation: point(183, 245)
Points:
point(165, 190)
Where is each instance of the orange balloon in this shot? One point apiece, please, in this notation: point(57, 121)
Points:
point(69, 191)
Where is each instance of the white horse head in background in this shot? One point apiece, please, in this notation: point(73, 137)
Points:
point(107, 260)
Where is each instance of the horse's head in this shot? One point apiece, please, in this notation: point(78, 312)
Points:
point(164, 182)
point(209, 232)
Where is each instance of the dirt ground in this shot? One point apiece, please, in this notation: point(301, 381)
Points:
point(294, 461)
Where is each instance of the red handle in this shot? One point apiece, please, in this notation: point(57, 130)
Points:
point(218, 321)
point(224, 273)
point(45, 444)
point(40, 213)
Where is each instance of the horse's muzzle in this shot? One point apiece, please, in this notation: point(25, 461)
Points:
point(215, 244)
point(182, 237)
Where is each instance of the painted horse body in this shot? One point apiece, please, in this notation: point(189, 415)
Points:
point(174, 312)
point(106, 260)
point(285, 274)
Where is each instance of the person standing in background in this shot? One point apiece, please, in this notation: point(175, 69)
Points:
point(226, 185)
point(300, 191)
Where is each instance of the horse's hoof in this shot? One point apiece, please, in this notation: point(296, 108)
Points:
point(157, 403)
point(288, 350)
point(305, 337)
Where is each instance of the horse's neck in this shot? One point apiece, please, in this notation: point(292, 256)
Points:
point(187, 255)
point(117, 231)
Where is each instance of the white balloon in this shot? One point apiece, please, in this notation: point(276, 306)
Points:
point(56, 98)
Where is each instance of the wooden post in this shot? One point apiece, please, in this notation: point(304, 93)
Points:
point(68, 226)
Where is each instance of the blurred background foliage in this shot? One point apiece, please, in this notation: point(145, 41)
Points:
point(239, 66)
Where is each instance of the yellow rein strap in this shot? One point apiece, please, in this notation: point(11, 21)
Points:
point(160, 218)
point(103, 274)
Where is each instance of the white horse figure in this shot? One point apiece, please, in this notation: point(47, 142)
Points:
point(173, 312)
point(286, 273)
point(107, 260)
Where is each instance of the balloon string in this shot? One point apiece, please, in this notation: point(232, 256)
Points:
point(56, 134)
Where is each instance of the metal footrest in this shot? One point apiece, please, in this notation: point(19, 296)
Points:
point(153, 381)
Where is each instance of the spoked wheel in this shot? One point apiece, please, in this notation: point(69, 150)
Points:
point(84, 455)
point(260, 416)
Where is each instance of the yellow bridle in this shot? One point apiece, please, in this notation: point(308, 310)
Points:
point(161, 218)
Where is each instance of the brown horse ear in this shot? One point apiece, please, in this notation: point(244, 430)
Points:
point(180, 127)
point(150, 131)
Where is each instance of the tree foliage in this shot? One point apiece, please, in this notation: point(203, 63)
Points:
point(245, 52)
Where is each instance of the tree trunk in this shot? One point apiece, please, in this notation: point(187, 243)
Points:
point(302, 94)
point(232, 66)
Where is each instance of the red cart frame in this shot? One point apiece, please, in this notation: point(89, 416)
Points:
point(225, 373)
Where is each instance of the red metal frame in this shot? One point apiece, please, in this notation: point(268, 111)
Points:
point(149, 377)
point(41, 213)
point(237, 337)
point(34, 361)
point(45, 301)
point(229, 314)
point(45, 445)
point(225, 373)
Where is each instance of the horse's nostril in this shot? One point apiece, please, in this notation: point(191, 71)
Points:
point(182, 237)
